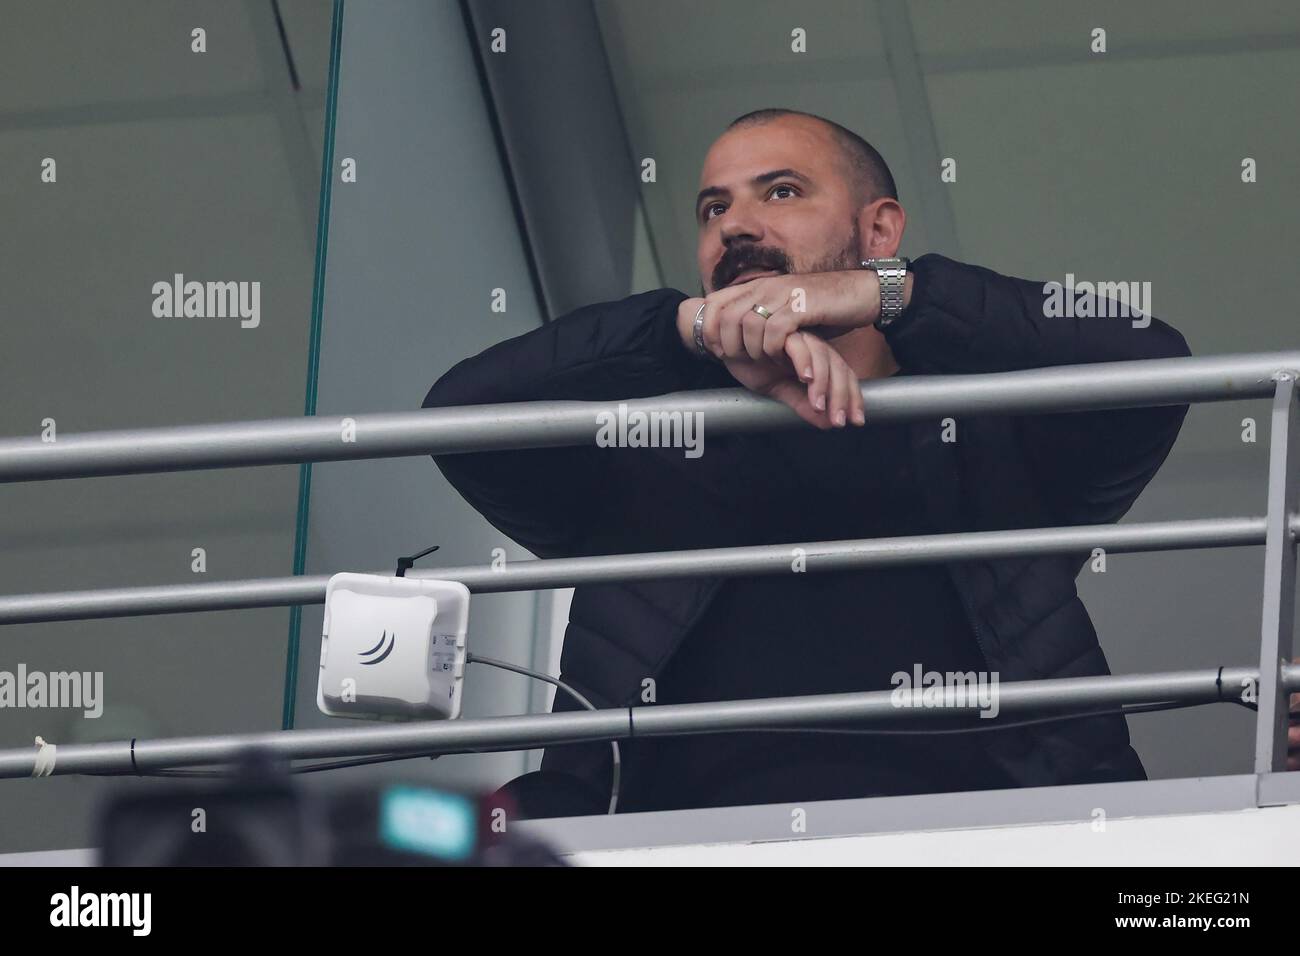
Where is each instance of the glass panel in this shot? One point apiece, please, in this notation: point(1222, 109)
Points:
point(416, 247)
point(137, 154)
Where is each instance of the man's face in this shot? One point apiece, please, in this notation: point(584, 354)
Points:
point(775, 198)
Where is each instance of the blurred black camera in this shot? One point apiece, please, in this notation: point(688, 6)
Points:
point(259, 817)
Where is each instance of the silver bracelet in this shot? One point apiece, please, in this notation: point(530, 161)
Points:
point(699, 334)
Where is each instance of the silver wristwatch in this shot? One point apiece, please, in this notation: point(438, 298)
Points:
point(893, 276)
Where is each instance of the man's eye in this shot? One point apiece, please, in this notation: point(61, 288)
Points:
point(720, 207)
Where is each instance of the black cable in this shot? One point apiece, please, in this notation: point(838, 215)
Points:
point(364, 761)
point(310, 768)
point(1123, 710)
point(385, 758)
point(284, 46)
point(1218, 685)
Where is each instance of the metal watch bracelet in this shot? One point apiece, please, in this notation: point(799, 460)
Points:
point(892, 274)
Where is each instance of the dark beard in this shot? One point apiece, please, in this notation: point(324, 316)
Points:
point(847, 258)
point(843, 261)
point(738, 258)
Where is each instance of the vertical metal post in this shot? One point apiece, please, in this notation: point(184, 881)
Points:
point(1278, 621)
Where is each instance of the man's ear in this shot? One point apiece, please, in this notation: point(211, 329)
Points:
point(880, 225)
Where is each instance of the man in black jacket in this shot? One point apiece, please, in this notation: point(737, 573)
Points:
point(799, 226)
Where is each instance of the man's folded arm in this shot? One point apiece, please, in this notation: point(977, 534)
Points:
point(968, 319)
point(550, 499)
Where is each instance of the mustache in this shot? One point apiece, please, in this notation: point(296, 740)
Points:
point(737, 259)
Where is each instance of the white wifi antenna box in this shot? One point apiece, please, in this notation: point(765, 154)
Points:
point(393, 648)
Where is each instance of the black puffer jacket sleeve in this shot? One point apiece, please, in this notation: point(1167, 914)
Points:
point(546, 499)
point(968, 319)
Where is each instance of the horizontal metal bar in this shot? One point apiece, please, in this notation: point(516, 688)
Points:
point(1045, 697)
point(541, 424)
point(723, 562)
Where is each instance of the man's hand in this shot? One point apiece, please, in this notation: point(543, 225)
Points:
point(831, 302)
point(809, 376)
point(824, 392)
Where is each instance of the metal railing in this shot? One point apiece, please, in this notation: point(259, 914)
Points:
point(545, 424)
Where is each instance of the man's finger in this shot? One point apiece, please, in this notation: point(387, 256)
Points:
point(729, 306)
point(752, 330)
point(792, 393)
point(843, 382)
point(820, 384)
point(730, 334)
point(796, 350)
point(779, 329)
point(852, 395)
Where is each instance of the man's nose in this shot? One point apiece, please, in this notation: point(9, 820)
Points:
point(741, 223)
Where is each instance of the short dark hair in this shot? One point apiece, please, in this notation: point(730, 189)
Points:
point(872, 179)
